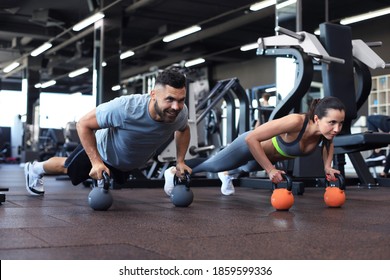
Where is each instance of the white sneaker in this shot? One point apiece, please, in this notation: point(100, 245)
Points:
point(227, 187)
point(34, 182)
point(169, 174)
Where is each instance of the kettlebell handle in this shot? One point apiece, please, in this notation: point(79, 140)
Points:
point(288, 181)
point(341, 181)
point(106, 179)
point(185, 181)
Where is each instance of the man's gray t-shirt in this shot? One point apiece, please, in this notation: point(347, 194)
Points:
point(129, 136)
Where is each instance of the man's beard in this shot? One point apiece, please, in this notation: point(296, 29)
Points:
point(168, 115)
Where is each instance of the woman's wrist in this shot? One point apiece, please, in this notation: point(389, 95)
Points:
point(270, 170)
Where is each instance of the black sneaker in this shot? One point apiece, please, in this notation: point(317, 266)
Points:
point(375, 157)
point(375, 163)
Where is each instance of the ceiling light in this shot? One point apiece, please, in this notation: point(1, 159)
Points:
point(182, 33)
point(11, 67)
point(194, 62)
point(116, 88)
point(126, 54)
point(78, 72)
point(285, 4)
point(262, 5)
point(365, 16)
point(88, 21)
point(48, 84)
point(249, 47)
point(41, 49)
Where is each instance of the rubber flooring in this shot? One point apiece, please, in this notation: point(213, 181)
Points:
point(142, 224)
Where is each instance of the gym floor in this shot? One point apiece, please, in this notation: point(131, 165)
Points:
point(143, 224)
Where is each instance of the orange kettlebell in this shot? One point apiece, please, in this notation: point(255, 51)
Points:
point(282, 199)
point(334, 196)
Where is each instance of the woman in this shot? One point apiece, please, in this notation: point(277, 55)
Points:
point(288, 137)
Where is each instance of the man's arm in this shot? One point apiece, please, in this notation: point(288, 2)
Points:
point(182, 139)
point(86, 127)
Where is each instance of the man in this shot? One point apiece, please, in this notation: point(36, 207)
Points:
point(378, 123)
point(122, 135)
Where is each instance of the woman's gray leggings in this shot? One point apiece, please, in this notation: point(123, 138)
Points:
point(235, 158)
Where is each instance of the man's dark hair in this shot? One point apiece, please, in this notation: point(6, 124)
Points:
point(171, 78)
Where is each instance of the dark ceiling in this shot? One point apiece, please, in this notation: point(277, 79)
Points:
point(226, 25)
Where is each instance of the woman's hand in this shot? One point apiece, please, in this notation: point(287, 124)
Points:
point(275, 175)
point(330, 174)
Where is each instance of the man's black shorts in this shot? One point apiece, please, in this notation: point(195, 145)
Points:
point(79, 166)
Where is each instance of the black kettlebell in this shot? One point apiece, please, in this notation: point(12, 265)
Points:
point(182, 195)
point(100, 198)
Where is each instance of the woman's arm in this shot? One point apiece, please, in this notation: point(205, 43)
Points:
point(288, 124)
point(327, 157)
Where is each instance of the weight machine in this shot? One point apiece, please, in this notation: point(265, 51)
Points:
point(338, 79)
point(307, 51)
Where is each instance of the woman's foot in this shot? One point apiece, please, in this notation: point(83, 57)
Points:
point(384, 175)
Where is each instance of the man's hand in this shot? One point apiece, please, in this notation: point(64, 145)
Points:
point(181, 169)
point(97, 171)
